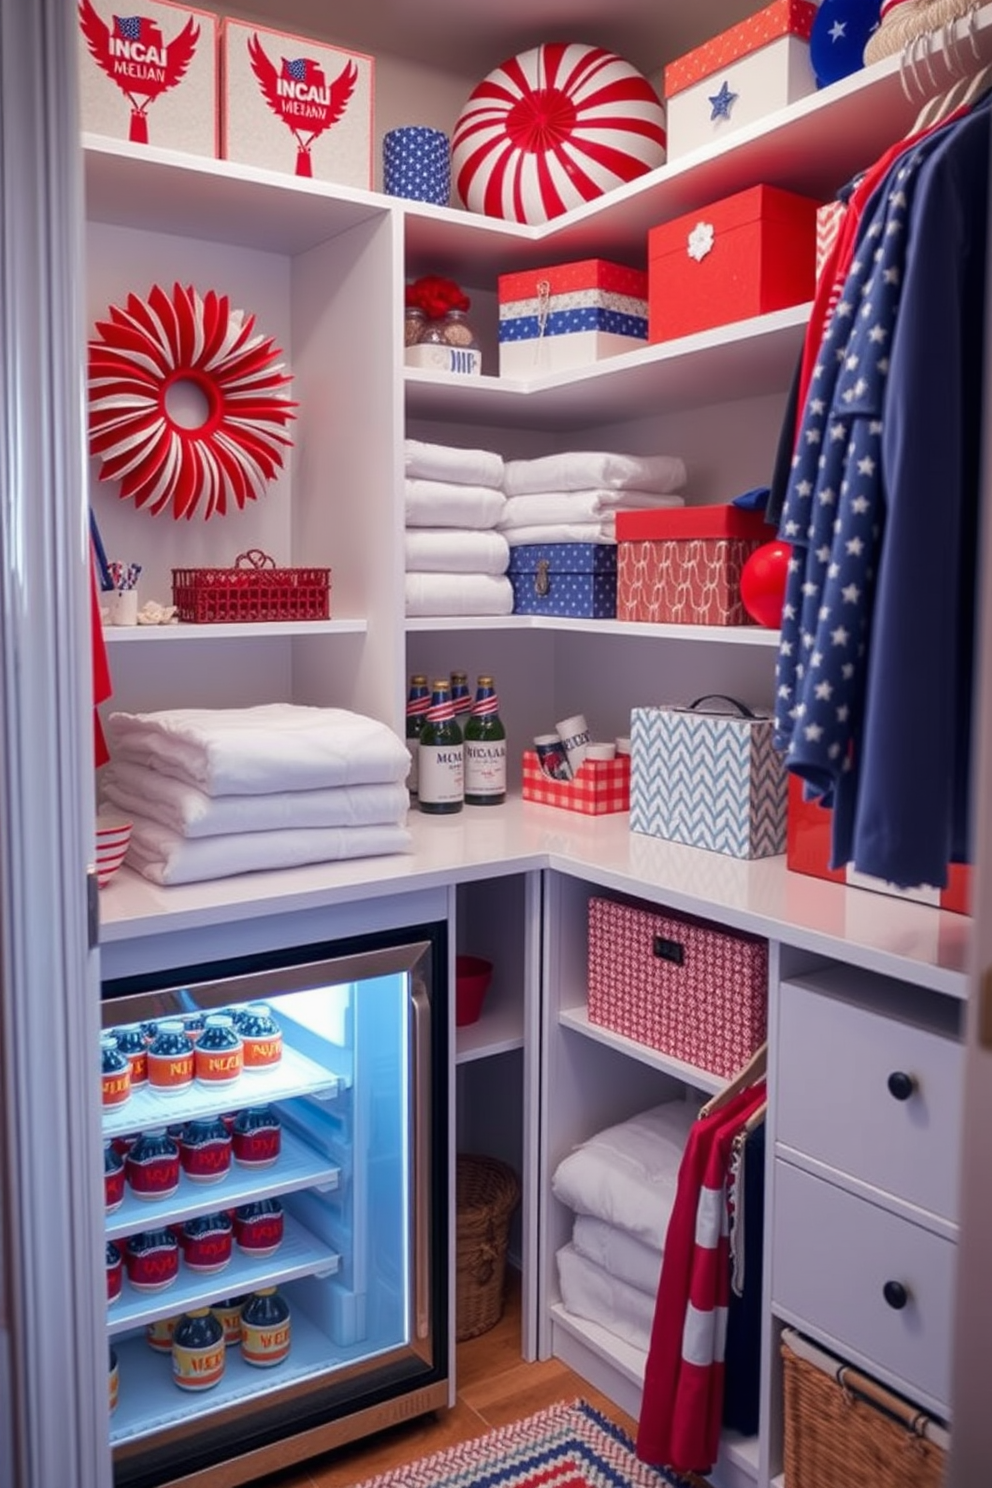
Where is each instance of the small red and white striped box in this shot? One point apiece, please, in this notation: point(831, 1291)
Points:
point(752, 69)
point(290, 103)
point(687, 988)
point(828, 220)
point(568, 315)
point(601, 787)
point(151, 78)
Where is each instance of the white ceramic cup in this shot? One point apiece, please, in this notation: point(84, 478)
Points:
point(574, 735)
point(123, 607)
point(600, 751)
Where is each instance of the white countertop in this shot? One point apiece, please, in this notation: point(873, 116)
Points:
point(883, 933)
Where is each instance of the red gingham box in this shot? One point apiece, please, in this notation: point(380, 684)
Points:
point(682, 986)
point(600, 788)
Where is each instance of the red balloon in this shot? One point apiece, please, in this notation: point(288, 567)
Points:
point(763, 583)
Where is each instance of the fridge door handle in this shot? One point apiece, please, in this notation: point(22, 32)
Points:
point(421, 1019)
point(92, 908)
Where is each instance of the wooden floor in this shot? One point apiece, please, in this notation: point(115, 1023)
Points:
point(494, 1387)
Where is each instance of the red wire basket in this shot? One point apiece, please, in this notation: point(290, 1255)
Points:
point(253, 590)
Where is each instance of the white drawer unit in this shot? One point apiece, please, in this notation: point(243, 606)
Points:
point(868, 1280)
point(868, 1081)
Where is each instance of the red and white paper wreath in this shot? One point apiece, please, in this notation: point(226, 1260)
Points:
point(148, 347)
point(552, 128)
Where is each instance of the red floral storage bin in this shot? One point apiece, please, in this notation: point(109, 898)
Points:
point(682, 986)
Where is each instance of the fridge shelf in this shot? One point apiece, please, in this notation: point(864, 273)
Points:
point(295, 1074)
point(300, 1254)
point(149, 1402)
point(298, 1166)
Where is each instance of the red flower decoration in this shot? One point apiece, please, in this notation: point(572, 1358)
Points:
point(436, 296)
point(147, 348)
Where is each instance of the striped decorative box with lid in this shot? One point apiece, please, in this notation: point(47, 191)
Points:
point(682, 986)
point(566, 316)
point(742, 74)
point(707, 779)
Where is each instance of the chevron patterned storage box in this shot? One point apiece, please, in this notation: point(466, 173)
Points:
point(712, 780)
point(687, 988)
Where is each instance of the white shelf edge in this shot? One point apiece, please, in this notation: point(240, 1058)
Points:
point(496, 1032)
point(262, 630)
point(729, 635)
point(715, 338)
point(577, 1019)
point(628, 1361)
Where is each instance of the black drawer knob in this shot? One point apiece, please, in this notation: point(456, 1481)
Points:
point(895, 1295)
point(901, 1086)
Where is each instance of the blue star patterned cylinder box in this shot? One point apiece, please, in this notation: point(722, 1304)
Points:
point(760, 65)
point(416, 163)
point(570, 314)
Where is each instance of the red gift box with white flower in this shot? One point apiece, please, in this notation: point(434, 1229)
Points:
point(752, 69)
point(149, 78)
point(290, 103)
point(746, 255)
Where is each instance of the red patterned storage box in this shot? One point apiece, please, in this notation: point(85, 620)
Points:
point(601, 787)
point(744, 256)
point(682, 986)
point(752, 69)
point(682, 566)
point(808, 828)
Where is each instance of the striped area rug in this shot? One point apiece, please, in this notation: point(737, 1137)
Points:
point(567, 1446)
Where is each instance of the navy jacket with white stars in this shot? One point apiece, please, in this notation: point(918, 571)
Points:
point(877, 619)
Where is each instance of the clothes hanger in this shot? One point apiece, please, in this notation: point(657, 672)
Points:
point(751, 1072)
point(970, 80)
point(935, 104)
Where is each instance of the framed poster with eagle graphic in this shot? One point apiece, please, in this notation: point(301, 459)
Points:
point(293, 104)
point(149, 77)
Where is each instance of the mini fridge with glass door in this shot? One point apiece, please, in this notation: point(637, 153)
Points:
point(311, 1200)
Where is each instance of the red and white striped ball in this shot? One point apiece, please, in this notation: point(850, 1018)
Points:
point(552, 128)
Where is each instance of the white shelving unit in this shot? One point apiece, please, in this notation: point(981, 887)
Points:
point(324, 269)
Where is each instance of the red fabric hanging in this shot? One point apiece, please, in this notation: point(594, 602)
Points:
point(102, 687)
point(682, 1404)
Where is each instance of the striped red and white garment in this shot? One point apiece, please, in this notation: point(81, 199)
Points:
point(682, 1403)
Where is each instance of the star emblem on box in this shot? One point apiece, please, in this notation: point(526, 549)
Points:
point(722, 102)
point(701, 241)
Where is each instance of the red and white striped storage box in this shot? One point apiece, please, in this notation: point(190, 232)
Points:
point(682, 986)
point(601, 787)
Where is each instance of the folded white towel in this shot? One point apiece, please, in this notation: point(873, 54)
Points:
point(472, 467)
point(166, 858)
point(578, 506)
point(431, 503)
point(262, 750)
point(589, 1292)
point(618, 1253)
point(452, 550)
point(627, 1174)
point(603, 531)
point(458, 594)
point(581, 470)
point(186, 810)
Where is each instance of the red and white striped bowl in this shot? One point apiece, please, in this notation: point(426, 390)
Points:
point(113, 833)
point(553, 128)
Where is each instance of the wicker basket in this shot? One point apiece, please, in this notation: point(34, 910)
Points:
point(487, 1194)
point(253, 590)
point(841, 1428)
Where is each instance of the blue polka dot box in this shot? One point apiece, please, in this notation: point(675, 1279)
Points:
point(568, 315)
point(578, 580)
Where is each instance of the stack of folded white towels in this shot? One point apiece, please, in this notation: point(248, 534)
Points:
point(456, 561)
point(574, 496)
point(621, 1185)
point(212, 792)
